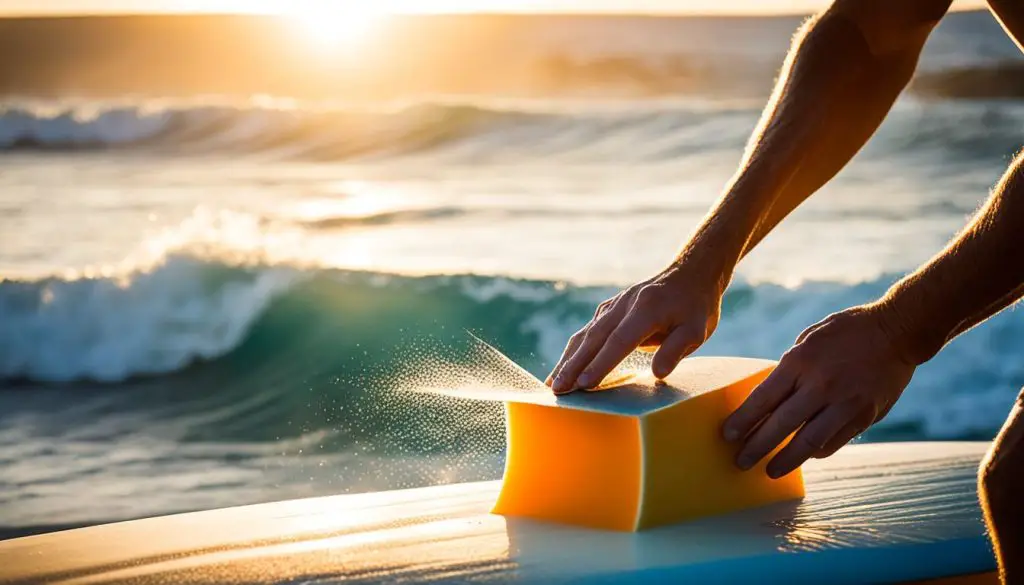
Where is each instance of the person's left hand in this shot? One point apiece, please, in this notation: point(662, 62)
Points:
point(843, 375)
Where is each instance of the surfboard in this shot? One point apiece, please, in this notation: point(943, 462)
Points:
point(881, 513)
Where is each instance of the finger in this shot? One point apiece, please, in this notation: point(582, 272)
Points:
point(837, 442)
point(810, 439)
point(762, 401)
point(577, 339)
point(570, 348)
point(603, 307)
point(620, 343)
point(681, 342)
point(840, 439)
point(786, 419)
point(593, 340)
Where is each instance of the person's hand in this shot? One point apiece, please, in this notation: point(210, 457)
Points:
point(842, 376)
point(675, 311)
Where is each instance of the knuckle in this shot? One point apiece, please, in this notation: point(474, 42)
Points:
point(647, 296)
point(833, 318)
point(809, 354)
point(804, 335)
point(793, 357)
point(811, 331)
point(638, 320)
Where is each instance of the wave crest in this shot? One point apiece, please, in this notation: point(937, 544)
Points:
point(112, 328)
point(307, 133)
point(479, 132)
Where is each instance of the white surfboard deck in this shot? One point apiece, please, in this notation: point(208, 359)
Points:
point(883, 513)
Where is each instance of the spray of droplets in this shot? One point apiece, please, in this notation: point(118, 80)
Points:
point(399, 434)
point(402, 424)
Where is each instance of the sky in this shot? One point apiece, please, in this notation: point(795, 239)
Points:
point(19, 7)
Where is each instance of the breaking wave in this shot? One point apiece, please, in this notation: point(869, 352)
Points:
point(189, 313)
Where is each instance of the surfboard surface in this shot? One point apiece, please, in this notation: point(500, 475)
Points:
point(884, 513)
point(630, 393)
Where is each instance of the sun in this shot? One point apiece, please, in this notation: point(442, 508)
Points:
point(335, 23)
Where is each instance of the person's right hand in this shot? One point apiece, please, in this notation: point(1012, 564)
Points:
point(674, 312)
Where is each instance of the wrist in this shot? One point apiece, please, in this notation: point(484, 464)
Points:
point(721, 239)
point(901, 316)
point(707, 258)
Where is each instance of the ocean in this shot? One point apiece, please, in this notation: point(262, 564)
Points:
point(211, 299)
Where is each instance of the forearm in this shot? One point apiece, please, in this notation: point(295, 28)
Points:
point(837, 98)
point(833, 92)
point(979, 273)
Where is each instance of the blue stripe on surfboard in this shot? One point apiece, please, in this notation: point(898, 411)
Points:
point(897, 564)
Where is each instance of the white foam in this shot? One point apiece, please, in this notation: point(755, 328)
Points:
point(75, 127)
point(149, 322)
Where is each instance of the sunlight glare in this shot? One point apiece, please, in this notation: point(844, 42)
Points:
point(331, 24)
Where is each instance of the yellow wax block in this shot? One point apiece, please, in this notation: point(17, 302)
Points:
point(639, 455)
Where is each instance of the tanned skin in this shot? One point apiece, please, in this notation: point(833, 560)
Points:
point(845, 70)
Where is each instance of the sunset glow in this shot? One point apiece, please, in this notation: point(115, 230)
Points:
point(332, 24)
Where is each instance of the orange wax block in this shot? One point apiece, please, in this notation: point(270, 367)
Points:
point(637, 455)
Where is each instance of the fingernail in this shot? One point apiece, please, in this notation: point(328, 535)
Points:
point(548, 381)
point(731, 434)
point(745, 462)
point(561, 385)
point(585, 380)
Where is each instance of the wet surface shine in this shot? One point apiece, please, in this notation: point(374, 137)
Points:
point(877, 512)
